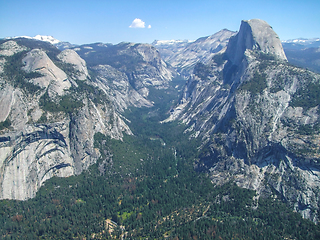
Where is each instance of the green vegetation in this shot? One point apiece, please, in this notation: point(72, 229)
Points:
point(43, 118)
point(66, 103)
point(255, 85)
point(68, 68)
point(306, 58)
point(306, 130)
point(50, 50)
point(278, 84)
point(166, 198)
point(95, 94)
point(121, 56)
point(307, 97)
point(5, 124)
point(16, 75)
point(266, 57)
point(72, 101)
point(147, 185)
point(149, 190)
point(266, 60)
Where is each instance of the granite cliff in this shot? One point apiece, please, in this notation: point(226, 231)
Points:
point(256, 116)
point(52, 105)
point(258, 119)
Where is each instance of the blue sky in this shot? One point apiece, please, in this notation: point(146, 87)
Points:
point(88, 21)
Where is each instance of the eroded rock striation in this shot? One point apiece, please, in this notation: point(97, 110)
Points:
point(51, 107)
point(254, 34)
point(50, 111)
point(37, 61)
point(258, 118)
point(141, 63)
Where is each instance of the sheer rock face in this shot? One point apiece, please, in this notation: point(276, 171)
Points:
point(37, 61)
point(6, 101)
point(42, 140)
point(71, 57)
point(31, 156)
point(250, 113)
point(40, 143)
point(257, 35)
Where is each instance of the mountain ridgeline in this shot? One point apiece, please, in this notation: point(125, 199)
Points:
point(52, 105)
point(304, 53)
point(258, 119)
point(169, 140)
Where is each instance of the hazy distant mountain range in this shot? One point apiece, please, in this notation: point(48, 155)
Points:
point(302, 52)
point(301, 43)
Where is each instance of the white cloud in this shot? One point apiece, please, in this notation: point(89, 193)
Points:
point(138, 23)
point(149, 26)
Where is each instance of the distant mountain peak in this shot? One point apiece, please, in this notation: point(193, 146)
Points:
point(49, 39)
point(170, 42)
point(302, 40)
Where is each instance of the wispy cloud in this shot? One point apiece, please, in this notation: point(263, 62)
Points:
point(138, 23)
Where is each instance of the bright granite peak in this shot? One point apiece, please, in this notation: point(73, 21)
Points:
point(248, 110)
point(254, 34)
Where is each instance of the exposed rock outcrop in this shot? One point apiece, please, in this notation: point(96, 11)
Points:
point(31, 156)
point(257, 127)
point(141, 63)
point(254, 34)
point(52, 114)
point(184, 58)
point(37, 61)
point(51, 108)
point(116, 84)
point(10, 48)
point(71, 57)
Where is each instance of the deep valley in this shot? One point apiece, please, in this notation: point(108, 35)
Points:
point(212, 139)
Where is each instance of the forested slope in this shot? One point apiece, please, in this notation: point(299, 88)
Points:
point(149, 190)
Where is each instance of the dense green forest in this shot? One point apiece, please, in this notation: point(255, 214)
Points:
point(145, 187)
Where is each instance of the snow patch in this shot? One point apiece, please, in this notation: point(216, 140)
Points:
point(49, 39)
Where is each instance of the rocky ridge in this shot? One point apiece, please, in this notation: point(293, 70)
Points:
point(116, 84)
point(243, 100)
point(258, 119)
point(37, 61)
point(257, 35)
point(183, 56)
point(51, 109)
point(141, 63)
